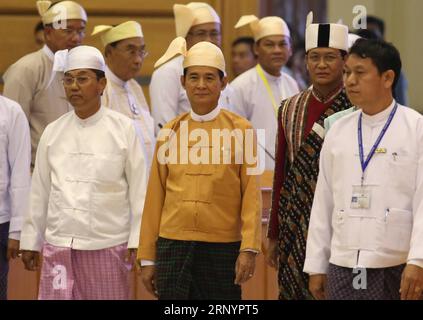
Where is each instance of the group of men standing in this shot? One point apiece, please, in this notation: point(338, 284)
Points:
point(104, 194)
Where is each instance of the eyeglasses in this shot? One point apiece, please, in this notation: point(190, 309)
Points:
point(202, 34)
point(81, 80)
point(328, 59)
point(71, 32)
point(132, 52)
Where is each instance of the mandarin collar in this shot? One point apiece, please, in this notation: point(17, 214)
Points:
point(205, 117)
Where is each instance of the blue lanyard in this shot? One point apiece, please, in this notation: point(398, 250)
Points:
point(365, 163)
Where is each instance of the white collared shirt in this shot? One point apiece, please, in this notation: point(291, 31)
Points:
point(15, 161)
point(48, 52)
point(205, 117)
point(390, 232)
point(252, 101)
point(88, 185)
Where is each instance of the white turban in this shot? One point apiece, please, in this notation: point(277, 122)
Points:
point(64, 10)
point(268, 26)
point(125, 30)
point(201, 54)
point(192, 14)
point(81, 57)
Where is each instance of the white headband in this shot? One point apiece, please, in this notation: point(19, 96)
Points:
point(192, 14)
point(110, 34)
point(268, 26)
point(201, 54)
point(64, 10)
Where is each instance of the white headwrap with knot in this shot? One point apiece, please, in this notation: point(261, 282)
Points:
point(125, 30)
point(64, 10)
point(201, 54)
point(192, 14)
point(81, 57)
point(268, 26)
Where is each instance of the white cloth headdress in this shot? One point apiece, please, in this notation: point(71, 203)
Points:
point(201, 54)
point(268, 26)
point(125, 30)
point(192, 14)
point(64, 10)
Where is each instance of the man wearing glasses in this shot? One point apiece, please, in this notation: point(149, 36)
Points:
point(299, 141)
point(87, 193)
point(196, 22)
point(125, 52)
point(27, 81)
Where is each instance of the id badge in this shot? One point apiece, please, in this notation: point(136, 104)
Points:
point(361, 197)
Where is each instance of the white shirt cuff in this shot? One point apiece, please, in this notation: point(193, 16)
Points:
point(145, 263)
point(250, 250)
point(15, 235)
point(418, 263)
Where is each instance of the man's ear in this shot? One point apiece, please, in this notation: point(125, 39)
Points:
point(107, 50)
point(47, 32)
point(305, 62)
point(389, 78)
point(255, 48)
point(183, 81)
point(102, 84)
point(224, 82)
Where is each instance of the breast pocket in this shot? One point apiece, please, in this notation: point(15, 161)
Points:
point(109, 167)
point(398, 227)
point(343, 230)
point(353, 231)
point(402, 172)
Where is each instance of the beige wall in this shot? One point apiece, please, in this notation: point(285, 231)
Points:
point(18, 18)
point(403, 29)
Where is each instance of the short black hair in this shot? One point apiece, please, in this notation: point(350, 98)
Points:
point(367, 34)
point(377, 21)
point(289, 39)
point(249, 41)
point(99, 73)
point(39, 27)
point(221, 74)
point(246, 40)
point(384, 55)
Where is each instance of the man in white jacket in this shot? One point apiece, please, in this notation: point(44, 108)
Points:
point(88, 191)
point(258, 92)
point(365, 235)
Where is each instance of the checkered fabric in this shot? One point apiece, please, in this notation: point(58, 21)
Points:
point(4, 265)
point(69, 274)
point(196, 270)
point(382, 284)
